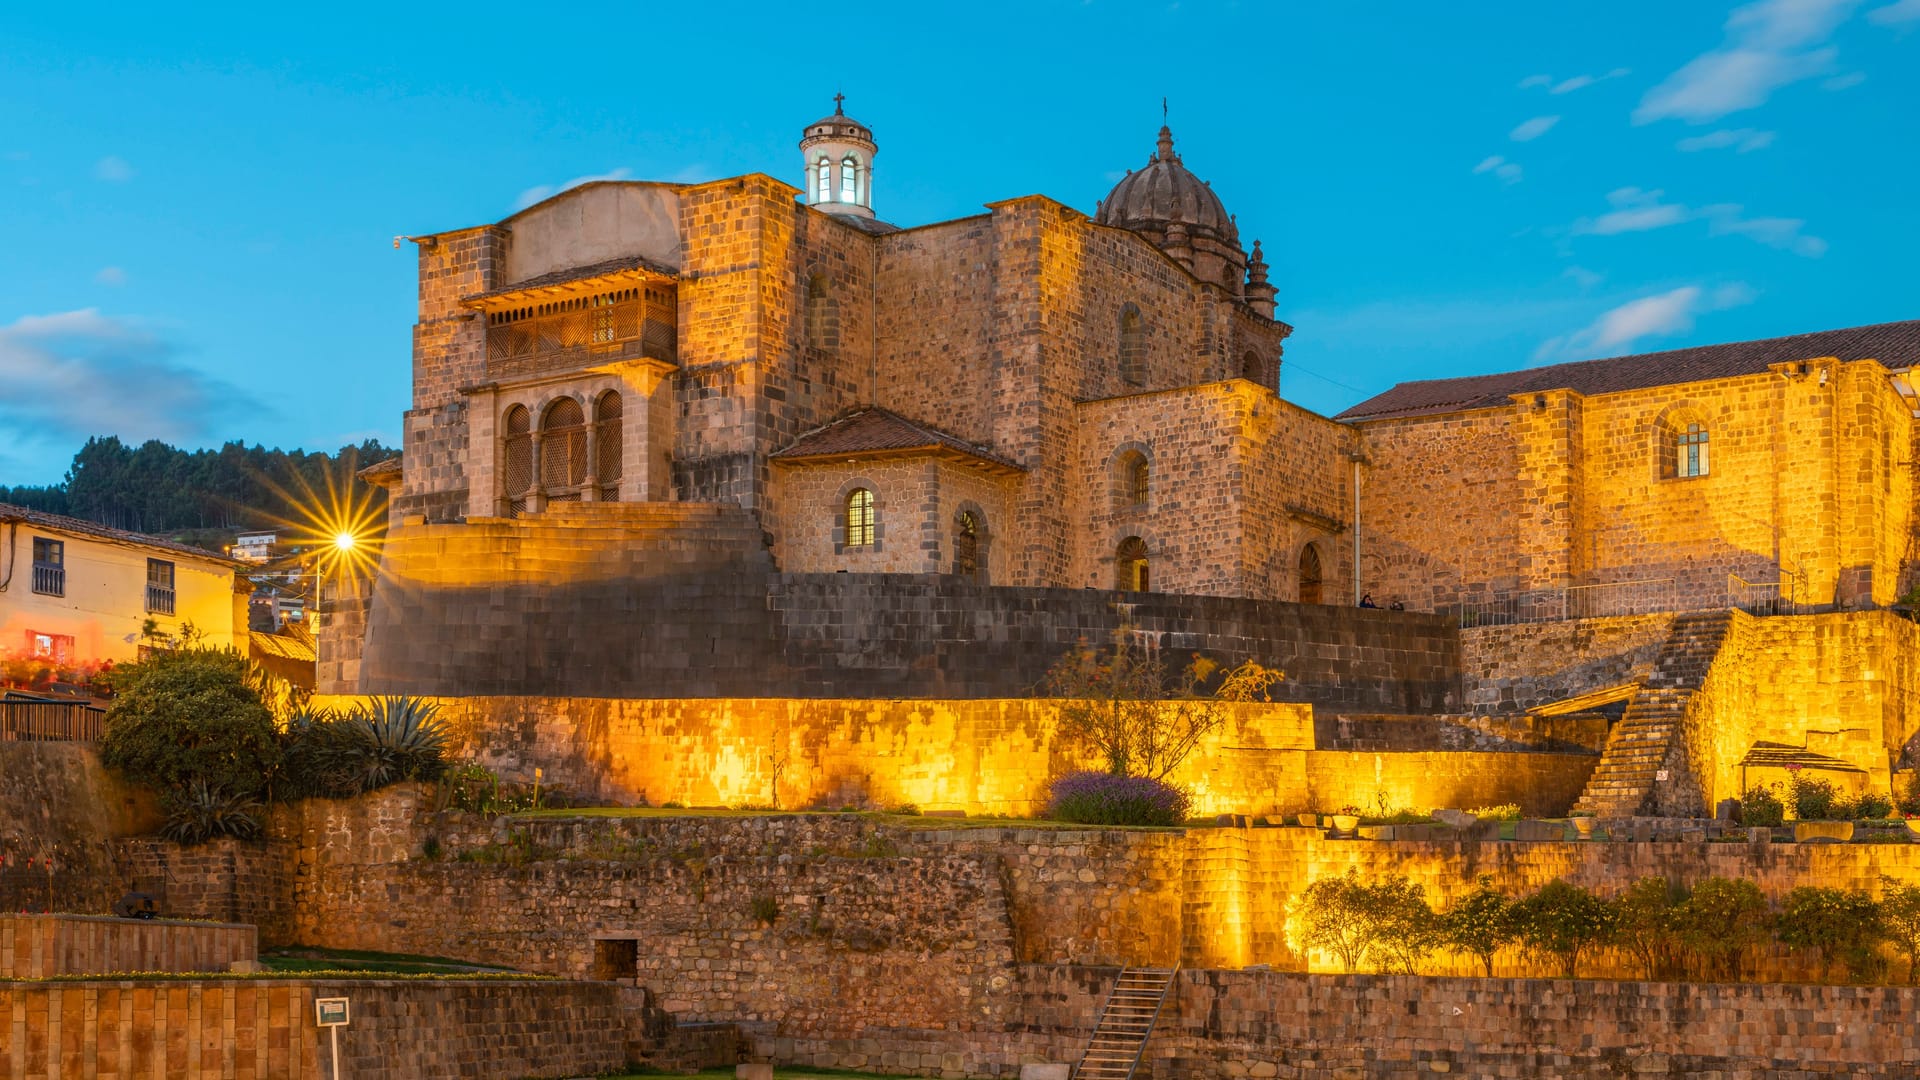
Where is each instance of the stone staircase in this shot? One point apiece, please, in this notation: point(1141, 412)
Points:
point(1622, 785)
point(1126, 1020)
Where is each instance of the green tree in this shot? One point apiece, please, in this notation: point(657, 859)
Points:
point(1900, 918)
point(1647, 924)
point(187, 716)
point(1843, 926)
point(1404, 928)
point(1122, 705)
point(1334, 918)
point(1563, 921)
point(1720, 923)
point(1479, 923)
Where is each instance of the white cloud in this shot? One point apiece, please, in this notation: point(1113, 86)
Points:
point(542, 192)
point(73, 374)
point(1741, 140)
point(1571, 83)
point(1508, 171)
point(111, 275)
point(1533, 129)
point(1768, 45)
point(1898, 13)
point(1663, 315)
point(1637, 210)
point(113, 170)
point(1634, 210)
point(1582, 277)
point(1775, 232)
point(1532, 81)
point(1844, 82)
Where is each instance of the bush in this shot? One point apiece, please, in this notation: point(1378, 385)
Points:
point(1720, 922)
point(1334, 919)
point(1900, 918)
point(1099, 798)
point(1503, 812)
point(333, 755)
point(1816, 800)
point(1563, 921)
point(1910, 798)
point(1479, 924)
point(1761, 808)
point(1872, 806)
point(187, 717)
point(1647, 921)
point(1843, 926)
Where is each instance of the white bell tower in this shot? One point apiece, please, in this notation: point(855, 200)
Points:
point(838, 151)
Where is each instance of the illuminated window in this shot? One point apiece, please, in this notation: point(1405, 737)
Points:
point(1691, 451)
point(49, 566)
point(969, 546)
point(53, 648)
point(849, 182)
point(1133, 346)
point(600, 324)
point(1130, 566)
point(826, 181)
point(159, 586)
point(860, 518)
point(1310, 575)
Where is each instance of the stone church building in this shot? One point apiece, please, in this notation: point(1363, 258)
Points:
point(1036, 397)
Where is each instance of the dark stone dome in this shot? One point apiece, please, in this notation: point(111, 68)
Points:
point(1163, 194)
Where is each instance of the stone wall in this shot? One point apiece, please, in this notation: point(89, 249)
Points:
point(239, 1029)
point(36, 946)
point(59, 805)
point(1507, 669)
point(224, 880)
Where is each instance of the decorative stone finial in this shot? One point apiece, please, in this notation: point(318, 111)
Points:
point(1165, 152)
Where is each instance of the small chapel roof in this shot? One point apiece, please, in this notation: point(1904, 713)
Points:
point(1895, 344)
point(875, 431)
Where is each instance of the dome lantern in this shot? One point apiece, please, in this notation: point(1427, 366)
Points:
point(838, 151)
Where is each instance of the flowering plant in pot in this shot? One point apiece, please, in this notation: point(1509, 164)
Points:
point(1583, 821)
point(1346, 819)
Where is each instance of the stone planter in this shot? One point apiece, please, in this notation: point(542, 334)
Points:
point(1807, 832)
point(1376, 832)
point(1311, 821)
point(1583, 826)
point(1913, 827)
point(1344, 824)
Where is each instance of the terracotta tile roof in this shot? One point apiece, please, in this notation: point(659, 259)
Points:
point(62, 523)
point(386, 471)
point(281, 646)
point(877, 431)
point(573, 274)
point(1895, 344)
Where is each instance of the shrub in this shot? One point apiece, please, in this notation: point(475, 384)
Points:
point(1814, 799)
point(1844, 926)
point(1910, 798)
point(1503, 812)
point(1563, 921)
point(1761, 808)
point(199, 813)
point(1872, 806)
point(1720, 922)
point(1404, 927)
point(1100, 798)
point(1647, 920)
point(187, 717)
point(1479, 924)
point(1900, 918)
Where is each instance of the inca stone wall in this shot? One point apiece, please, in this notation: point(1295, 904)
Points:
point(1508, 669)
point(60, 806)
point(37, 946)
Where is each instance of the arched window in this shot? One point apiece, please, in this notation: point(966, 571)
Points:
point(1690, 451)
point(1132, 477)
point(860, 518)
point(826, 181)
point(1130, 566)
point(516, 472)
point(1251, 368)
point(1133, 346)
point(608, 453)
point(970, 546)
point(849, 180)
point(563, 450)
point(1310, 576)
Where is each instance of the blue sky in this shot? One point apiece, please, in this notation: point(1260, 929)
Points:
point(198, 204)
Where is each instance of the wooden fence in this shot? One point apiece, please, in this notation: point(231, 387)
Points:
point(37, 721)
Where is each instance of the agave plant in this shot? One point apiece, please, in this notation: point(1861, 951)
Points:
point(200, 813)
point(396, 738)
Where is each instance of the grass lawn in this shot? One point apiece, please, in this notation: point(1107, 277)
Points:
point(298, 960)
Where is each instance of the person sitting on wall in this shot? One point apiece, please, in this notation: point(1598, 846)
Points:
point(1366, 600)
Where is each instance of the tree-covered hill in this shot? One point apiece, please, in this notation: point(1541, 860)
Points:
point(157, 488)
